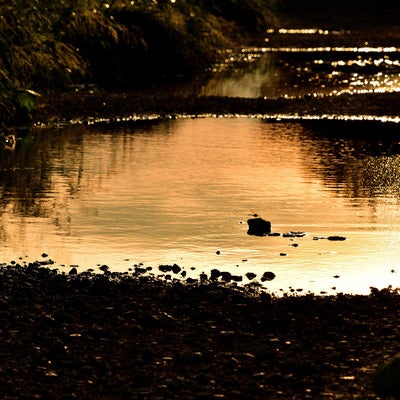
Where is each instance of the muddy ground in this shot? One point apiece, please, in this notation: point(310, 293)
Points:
point(127, 336)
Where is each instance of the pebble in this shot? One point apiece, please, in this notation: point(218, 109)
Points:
point(268, 276)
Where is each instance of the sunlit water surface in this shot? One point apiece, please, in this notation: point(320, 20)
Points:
point(181, 191)
point(296, 63)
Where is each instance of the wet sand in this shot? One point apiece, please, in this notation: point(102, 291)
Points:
point(128, 336)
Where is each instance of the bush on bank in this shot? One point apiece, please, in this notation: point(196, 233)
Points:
point(47, 46)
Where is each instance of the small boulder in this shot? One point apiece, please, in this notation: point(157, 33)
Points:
point(176, 269)
point(226, 276)
point(258, 227)
point(267, 276)
point(215, 274)
point(165, 268)
point(386, 380)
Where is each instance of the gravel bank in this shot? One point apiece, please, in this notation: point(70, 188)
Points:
point(102, 104)
point(120, 336)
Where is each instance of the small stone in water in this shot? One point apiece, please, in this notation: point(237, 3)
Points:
point(258, 227)
point(268, 276)
point(336, 238)
point(215, 274)
point(165, 268)
point(293, 234)
point(250, 275)
point(176, 268)
point(226, 276)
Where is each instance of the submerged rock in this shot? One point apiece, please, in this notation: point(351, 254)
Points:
point(258, 227)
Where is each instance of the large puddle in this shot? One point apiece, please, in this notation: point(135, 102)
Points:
point(181, 191)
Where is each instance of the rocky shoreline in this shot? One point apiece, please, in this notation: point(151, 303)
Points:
point(98, 104)
point(130, 336)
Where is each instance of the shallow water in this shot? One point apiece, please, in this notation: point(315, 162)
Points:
point(296, 63)
point(180, 191)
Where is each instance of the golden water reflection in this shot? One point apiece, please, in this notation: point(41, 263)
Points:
point(295, 70)
point(179, 191)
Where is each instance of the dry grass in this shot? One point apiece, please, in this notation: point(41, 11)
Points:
point(49, 46)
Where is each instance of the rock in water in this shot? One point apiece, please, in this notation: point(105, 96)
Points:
point(386, 380)
point(336, 238)
point(268, 276)
point(258, 227)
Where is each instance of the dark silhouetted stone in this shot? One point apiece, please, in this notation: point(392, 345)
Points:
point(215, 274)
point(176, 269)
point(268, 276)
point(336, 238)
point(293, 234)
point(165, 268)
point(250, 275)
point(258, 227)
point(226, 276)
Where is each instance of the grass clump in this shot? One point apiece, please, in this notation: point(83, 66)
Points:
point(46, 46)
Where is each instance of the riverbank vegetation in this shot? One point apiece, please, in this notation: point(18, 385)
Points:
point(53, 46)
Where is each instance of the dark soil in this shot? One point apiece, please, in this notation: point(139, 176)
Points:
point(107, 336)
point(87, 336)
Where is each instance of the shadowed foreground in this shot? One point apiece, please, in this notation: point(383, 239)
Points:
point(123, 336)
